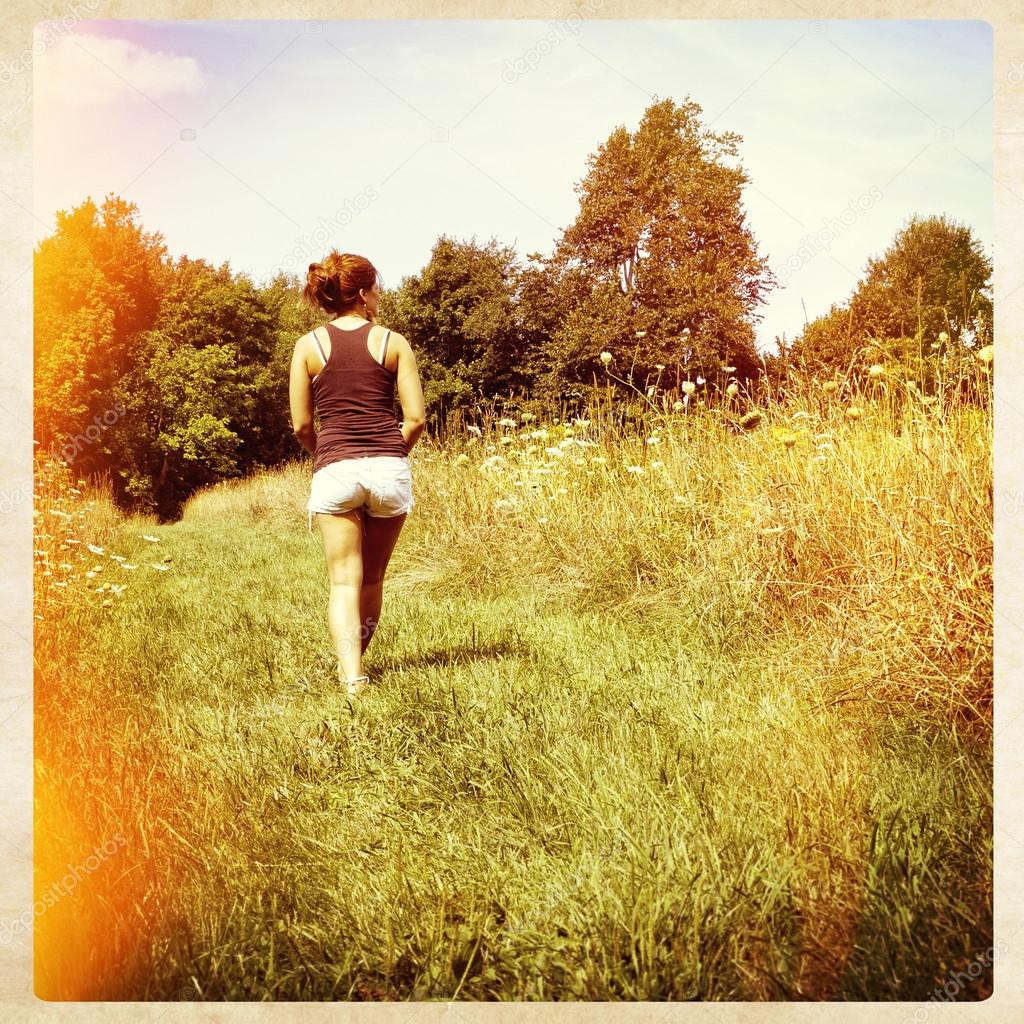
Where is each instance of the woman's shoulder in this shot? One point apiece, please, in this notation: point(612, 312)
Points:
point(312, 336)
point(306, 347)
point(395, 338)
point(392, 333)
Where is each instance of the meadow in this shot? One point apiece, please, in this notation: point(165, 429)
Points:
point(684, 704)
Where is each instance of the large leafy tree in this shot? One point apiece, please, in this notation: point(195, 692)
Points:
point(204, 397)
point(98, 282)
point(459, 313)
point(673, 270)
point(934, 277)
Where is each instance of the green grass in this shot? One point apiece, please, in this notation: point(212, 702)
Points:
point(685, 711)
point(535, 801)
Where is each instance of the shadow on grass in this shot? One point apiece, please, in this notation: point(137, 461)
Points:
point(460, 654)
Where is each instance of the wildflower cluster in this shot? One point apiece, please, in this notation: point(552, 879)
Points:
point(67, 565)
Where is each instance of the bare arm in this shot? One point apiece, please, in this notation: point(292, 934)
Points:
point(410, 392)
point(300, 395)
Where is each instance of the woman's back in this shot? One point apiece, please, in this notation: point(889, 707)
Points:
point(354, 396)
point(362, 480)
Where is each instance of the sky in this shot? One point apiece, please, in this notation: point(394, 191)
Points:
point(266, 143)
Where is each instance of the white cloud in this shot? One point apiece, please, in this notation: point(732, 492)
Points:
point(80, 68)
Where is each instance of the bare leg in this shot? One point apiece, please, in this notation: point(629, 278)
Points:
point(379, 539)
point(342, 535)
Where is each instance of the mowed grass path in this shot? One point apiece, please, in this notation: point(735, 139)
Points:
point(532, 803)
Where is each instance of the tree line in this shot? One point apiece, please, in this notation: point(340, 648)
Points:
point(172, 373)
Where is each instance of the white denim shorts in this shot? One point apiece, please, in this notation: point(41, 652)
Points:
point(381, 483)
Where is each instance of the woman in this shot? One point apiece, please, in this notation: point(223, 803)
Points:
point(362, 481)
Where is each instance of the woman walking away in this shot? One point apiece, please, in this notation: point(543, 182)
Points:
point(348, 369)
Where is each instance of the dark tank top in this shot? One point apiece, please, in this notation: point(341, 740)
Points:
point(354, 396)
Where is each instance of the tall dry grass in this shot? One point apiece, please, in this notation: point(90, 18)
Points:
point(850, 523)
point(705, 718)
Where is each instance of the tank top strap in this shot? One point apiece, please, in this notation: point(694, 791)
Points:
point(319, 346)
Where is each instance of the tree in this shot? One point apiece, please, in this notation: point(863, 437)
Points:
point(459, 314)
point(934, 277)
point(97, 282)
point(828, 340)
point(207, 396)
point(661, 226)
